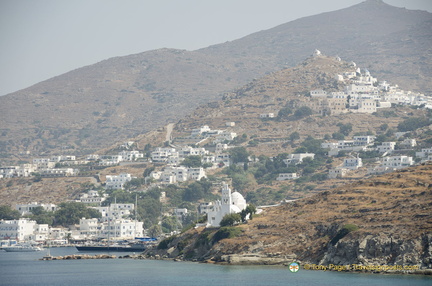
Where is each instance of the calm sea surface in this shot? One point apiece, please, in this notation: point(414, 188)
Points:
point(25, 269)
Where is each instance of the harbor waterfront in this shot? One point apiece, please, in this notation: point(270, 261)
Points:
point(25, 268)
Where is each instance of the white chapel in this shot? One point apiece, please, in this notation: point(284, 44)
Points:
point(230, 203)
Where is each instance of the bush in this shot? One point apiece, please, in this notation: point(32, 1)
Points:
point(164, 243)
point(226, 232)
point(343, 232)
point(303, 112)
point(414, 123)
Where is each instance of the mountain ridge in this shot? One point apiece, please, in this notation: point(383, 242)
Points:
point(122, 97)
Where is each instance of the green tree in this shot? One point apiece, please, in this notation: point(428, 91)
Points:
point(303, 111)
point(147, 171)
point(383, 127)
point(193, 161)
point(249, 210)
point(414, 123)
point(338, 136)
point(239, 154)
point(284, 112)
point(230, 219)
point(345, 129)
point(7, 213)
point(154, 230)
point(169, 224)
point(71, 212)
point(41, 216)
point(294, 136)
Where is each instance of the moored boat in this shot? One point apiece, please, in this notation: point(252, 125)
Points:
point(22, 248)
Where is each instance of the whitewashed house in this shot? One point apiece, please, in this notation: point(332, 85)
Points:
point(225, 136)
point(287, 176)
point(162, 154)
point(424, 153)
point(352, 163)
point(409, 143)
point(117, 181)
point(294, 159)
point(92, 197)
point(115, 211)
point(363, 140)
point(386, 147)
point(397, 162)
point(26, 209)
point(337, 173)
point(131, 155)
point(267, 115)
point(20, 229)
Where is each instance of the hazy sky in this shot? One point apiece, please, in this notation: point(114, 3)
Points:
point(40, 39)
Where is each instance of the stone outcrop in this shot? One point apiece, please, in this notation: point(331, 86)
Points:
point(381, 249)
point(79, 256)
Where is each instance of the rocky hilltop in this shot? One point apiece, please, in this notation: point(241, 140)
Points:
point(288, 88)
point(89, 108)
point(384, 220)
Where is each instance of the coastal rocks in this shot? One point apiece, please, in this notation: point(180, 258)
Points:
point(256, 259)
point(380, 249)
point(79, 256)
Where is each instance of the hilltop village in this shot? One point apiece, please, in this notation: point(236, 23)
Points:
point(212, 167)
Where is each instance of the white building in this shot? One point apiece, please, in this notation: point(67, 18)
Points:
point(180, 213)
point(115, 211)
point(115, 229)
point(199, 131)
point(230, 203)
point(41, 233)
point(205, 208)
point(409, 143)
point(26, 209)
point(91, 197)
point(318, 93)
point(58, 172)
point(267, 115)
point(425, 152)
point(63, 158)
point(21, 229)
point(174, 174)
point(191, 151)
point(131, 155)
point(117, 182)
point(397, 162)
point(352, 163)
point(286, 176)
point(225, 136)
point(109, 160)
point(294, 159)
point(386, 147)
point(363, 140)
point(337, 173)
point(162, 154)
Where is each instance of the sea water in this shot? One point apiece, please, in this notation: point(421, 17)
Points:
point(25, 268)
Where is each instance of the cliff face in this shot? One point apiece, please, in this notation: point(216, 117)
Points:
point(384, 220)
point(381, 249)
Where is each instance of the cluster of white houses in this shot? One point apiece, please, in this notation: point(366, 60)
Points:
point(363, 94)
point(114, 223)
point(387, 163)
point(49, 167)
point(58, 166)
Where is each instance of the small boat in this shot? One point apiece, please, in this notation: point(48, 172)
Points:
point(21, 248)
